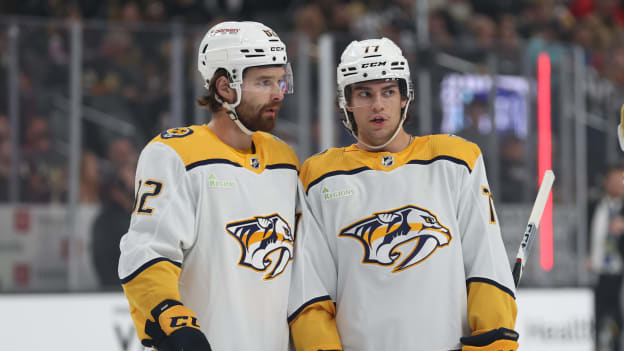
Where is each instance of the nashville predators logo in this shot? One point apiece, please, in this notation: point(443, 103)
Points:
point(383, 232)
point(262, 240)
point(176, 133)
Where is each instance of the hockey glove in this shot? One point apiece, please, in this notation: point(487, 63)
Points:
point(501, 339)
point(175, 329)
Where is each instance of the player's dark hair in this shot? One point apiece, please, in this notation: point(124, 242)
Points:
point(209, 101)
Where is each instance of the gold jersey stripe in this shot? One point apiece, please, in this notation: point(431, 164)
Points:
point(202, 145)
point(314, 327)
point(148, 288)
point(423, 150)
point(490, 307)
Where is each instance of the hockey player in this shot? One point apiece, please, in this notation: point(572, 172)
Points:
point(400, 246)
point(206, 261)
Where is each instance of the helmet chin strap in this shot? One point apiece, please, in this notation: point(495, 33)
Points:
point(396, 132)
point(234, 117)
point(230, 109)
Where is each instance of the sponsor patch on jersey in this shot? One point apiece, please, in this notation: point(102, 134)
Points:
point(265, 241)
point(214, 182)
point(328, 195)
point(382, 233)
point(176, 133)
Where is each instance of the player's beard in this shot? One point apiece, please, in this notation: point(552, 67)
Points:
point(253, 119)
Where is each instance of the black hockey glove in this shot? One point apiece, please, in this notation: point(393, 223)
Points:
point(175, 329)
point(501, 339)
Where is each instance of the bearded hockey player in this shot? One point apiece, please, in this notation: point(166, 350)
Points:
point(400, 246)
point(206, 261)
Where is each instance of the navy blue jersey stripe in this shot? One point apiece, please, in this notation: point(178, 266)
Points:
point(335, 173)
point(281, 165)
point(414, 162)
point(211, 161)
point(443, 157)
point(145, 266)
point(311, 302)
point(493, 283)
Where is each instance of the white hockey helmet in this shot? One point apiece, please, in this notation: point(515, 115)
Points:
point(235, 46)
point(367, 60)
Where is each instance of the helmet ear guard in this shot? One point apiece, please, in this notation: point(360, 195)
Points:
point(368, 60)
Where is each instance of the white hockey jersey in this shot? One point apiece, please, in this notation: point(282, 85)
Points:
point(406, 245)
point(216, 225)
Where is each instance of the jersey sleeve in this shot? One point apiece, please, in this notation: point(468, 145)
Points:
point(161, 229)
point(491, 293)
point(311, 306)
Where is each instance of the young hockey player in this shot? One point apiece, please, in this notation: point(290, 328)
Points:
point(400, 246)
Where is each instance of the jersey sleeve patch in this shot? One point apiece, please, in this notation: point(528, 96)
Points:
point(176, 133)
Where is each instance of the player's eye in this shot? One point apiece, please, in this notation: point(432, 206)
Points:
point(389, 92)
point(363, 94)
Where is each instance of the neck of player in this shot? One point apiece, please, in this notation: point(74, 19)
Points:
point(401, 142)
point(227, 131)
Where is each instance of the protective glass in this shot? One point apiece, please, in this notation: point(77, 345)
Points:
point(270, 85)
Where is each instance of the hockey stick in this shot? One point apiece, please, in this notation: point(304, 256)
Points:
point(531, 228)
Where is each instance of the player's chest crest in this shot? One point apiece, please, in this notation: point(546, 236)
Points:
point(382, 233)
point(266, 243)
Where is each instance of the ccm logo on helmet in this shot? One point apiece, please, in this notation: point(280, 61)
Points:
point(277, 48)
point(374, 64)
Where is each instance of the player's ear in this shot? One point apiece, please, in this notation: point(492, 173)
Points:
point(224, 90)
point(403, 101)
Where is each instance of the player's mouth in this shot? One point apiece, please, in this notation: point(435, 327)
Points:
point(271, 111)
point(378, 120)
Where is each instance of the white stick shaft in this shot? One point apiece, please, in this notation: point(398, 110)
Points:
point(542, 196)
point(534, 221)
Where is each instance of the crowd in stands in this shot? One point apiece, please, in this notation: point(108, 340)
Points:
point(126, 73)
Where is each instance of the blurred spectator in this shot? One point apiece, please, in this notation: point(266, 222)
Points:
point(510, 45)
point(514, 173)
point(606, 260)
point(546, 39)
point(477, 124)
point(155, 11)
point(5, 158)
point(121, 153)
point(89, 179)
point(483, 31)
point(459, 10)
point(442, 30)
point(43, 169)
point(117, 195)
point(615, 64)
point(509, 37)
point(309, 20)
point(111, 224)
